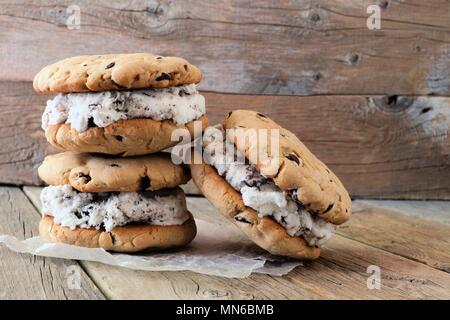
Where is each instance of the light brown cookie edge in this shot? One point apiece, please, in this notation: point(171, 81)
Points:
point(151, 172)
point(126, 239)
point(104, 139)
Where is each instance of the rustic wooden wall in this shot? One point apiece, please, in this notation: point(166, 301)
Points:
point(371, 103)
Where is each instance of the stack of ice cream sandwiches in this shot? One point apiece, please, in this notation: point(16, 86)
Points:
point(113, 188)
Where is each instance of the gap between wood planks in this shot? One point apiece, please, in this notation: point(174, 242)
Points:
point(340, 273)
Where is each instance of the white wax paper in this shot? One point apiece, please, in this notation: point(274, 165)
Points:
point(218, 249)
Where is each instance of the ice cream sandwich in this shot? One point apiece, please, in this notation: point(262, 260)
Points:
point(119, 204)
point(120, 104)
point(288, 204)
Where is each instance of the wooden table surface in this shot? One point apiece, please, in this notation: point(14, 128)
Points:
point(408, 240)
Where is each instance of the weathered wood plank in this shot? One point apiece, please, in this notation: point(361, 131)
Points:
point(437, 211)
point(30, 277)
point(408, 236)
point(339, 273)
point(283, 47)
point(379, 147)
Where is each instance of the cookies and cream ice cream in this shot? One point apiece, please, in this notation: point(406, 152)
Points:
point(72, 209)
point(181, 104)
point(261, 193)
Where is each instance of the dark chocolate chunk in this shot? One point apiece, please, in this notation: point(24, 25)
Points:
point(261, 115)
point(78, 214)
point(114, 165)
point(144, 183)
point(294, 158)
point(91, 123)
point(84, 176)
point(109, 66)
point(425, 110)
point(113, 237)
point(163, 76)
point(119, 138)
point(241, 219)
point(329, 208)
point(159, 58)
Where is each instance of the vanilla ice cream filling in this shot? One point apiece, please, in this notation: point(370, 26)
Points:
point(181, 104)
point(71, 208)
point(261, 193)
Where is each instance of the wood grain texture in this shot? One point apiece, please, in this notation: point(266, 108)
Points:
point(25, 276)
point(381, 147)
point(340, 273)
point(23, 142)
point(436, 211)
point(412, 237)
point(257, 47)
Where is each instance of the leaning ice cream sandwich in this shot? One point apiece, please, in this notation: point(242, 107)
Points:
point(119, 204)
point(288, 204)
point(121, 104)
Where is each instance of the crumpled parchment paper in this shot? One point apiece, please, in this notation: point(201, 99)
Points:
point(216, 250)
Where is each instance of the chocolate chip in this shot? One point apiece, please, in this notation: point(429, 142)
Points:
point(118, 101)
point(163, 76)
point(91, 123)
point(84, 176)
point(294, 158)
point(113, 237)
point(114, 165)
point(78, 214)
point(109, 66)
point(119, 138)
point(144, 183)
point(185, 67)
point(261, 115)
point(425, 110)
point(159, 58)
point(229, 114)
point(328, 208)
point(241, 219)
point(183, 93)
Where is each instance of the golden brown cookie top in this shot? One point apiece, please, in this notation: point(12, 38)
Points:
point(292, 166)
point(115, 72)
point(96, 173)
